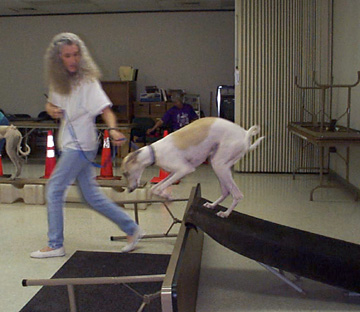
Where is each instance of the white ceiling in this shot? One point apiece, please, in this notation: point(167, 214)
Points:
point(46, 7)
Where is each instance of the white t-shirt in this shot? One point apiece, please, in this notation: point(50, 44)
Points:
point(81, 106)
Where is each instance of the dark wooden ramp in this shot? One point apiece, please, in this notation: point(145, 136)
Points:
point(324, 259)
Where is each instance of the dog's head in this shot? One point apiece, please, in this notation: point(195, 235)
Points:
point(132, 169)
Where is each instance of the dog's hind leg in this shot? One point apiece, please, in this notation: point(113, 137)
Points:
point(14, 157)
point(228, 186)
point(224, 194)
point(219, 167)
point(237, 195)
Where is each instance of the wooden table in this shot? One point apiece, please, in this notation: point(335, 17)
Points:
point(323, 138)
point(30, 125)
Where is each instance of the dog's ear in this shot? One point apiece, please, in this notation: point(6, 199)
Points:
point(132, 157)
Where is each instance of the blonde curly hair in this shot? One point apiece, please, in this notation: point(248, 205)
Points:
point(56, 75)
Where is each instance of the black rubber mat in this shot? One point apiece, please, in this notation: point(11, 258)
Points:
point(105, 298)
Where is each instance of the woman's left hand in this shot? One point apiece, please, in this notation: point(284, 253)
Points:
point(117, 138)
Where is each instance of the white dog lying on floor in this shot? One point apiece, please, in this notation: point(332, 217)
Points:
point(13, 139)
point(182, 151)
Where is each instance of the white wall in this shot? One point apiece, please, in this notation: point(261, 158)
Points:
point(346, 65)
point(188, 50)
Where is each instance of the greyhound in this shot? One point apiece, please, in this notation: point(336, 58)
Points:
point(182, 151)
point(13, 139)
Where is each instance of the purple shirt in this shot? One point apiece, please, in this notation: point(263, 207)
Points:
point(179, 117)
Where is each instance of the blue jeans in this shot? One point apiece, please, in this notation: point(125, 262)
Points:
point(72, 166)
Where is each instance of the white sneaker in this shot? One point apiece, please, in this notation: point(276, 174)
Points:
point(139, 233)
point(60, 252)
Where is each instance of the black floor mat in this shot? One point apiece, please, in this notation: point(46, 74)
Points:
point(102, 297)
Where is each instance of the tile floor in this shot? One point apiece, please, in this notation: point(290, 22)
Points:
point(228, 282)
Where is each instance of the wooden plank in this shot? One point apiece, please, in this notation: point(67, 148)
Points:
point(104, 183)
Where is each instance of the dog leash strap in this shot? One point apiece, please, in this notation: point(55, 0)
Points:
point(82, 153)
point(133, 145)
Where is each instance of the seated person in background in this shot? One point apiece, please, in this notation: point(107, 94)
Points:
point(178, 116)
point(3, 122)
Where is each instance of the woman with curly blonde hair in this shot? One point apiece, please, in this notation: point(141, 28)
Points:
point(76, 98)
point(57, 76)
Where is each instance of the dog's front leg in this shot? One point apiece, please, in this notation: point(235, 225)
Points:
point(159, 189)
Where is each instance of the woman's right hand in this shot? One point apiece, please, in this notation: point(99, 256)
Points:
point(54, 111)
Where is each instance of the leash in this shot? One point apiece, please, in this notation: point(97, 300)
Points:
point(134, 146)
point(82, 153)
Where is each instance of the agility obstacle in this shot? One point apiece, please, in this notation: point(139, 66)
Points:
point(164, 202)
point(273, 246)
point(320, 258)
point(70, 283)
point(180, 283)
point(32, 191)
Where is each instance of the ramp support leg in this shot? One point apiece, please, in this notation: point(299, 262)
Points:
point(283, 278)
point(165, 203)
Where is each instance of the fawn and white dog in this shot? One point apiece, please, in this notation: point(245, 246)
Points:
point(182, 151)
point(13, 139)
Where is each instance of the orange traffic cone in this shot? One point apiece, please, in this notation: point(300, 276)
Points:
point(162, 174)
point(50, 161)
point(106, 171)
point(2, 175)
point(1, 168)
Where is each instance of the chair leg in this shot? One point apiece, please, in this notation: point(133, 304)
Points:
point(130, 140)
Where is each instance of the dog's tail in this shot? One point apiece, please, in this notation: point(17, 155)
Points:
point(254, 130)
point(28, 149)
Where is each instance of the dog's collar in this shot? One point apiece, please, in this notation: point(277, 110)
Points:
point(152, 155)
